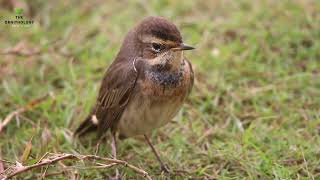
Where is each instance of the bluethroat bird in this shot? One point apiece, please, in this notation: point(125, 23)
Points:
point(145, 86)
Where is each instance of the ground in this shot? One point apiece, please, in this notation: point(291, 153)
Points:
point(254, 112)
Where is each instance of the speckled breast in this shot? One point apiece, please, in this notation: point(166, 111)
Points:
point(157, 99)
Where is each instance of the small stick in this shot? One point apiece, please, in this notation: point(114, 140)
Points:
point(124, 163)
point(30, 105)
point(19, 168)
point(1, 166)
point(54, 174)
point(44, 173)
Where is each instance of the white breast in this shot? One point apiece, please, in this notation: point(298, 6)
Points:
point(144, 114)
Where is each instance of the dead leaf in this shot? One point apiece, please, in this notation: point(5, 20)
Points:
point(27, 151)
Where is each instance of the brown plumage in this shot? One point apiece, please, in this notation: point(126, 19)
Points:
point(146, 84)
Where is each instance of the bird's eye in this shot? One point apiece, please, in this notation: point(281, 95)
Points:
point(157, 47)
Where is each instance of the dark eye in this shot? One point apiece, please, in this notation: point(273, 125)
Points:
point(157, 47)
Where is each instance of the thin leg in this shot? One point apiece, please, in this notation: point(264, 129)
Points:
point(114, 152)
point(114, 145)
point(164, 168)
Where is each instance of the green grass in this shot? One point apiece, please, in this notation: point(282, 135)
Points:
point(254, 112)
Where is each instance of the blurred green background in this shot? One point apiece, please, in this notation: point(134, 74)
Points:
point(254, 112)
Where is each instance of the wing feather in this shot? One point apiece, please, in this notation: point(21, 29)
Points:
point(114, 95)
point(115, 92)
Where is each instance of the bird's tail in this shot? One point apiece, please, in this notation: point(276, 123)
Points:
point(88, 125)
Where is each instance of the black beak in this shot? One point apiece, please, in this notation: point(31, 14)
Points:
point(183, 47)
point(186, 47)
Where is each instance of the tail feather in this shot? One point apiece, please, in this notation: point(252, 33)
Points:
point(88, 125)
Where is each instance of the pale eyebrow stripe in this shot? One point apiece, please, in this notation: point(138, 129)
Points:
point(151, 39)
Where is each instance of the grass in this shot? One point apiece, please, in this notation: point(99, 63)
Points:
point(254, 112)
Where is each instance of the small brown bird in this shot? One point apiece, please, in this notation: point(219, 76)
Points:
point(145, 86)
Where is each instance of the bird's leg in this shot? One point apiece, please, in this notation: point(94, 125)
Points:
point(114, 152)
point(114, 145)
point(164, 168)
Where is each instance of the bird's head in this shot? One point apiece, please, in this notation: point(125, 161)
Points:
point(158, 42)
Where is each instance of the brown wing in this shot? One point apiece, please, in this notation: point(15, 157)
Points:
point(114, 94)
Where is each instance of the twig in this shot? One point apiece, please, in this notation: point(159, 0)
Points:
point(19, 168)
point(1, 166)
point(44, 173)
point(102, 166)
point(21, 53)
point(30, 105)
point(21, 49)
point(45, 155)
point(124, 163)
point(54, 174)
point(66, 171)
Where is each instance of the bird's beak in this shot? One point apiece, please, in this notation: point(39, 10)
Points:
point(183, 47)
